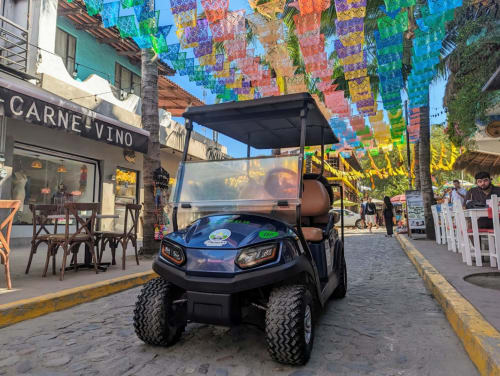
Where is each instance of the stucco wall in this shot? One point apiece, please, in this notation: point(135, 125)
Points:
point(98, 58)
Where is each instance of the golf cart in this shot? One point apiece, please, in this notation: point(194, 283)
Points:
point(251, 233)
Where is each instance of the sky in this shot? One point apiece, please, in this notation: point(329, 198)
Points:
point(235, 148)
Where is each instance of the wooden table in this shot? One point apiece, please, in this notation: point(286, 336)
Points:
point(474, 215)
point(87, 262)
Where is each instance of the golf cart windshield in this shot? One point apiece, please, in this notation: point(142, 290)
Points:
point(265, 185)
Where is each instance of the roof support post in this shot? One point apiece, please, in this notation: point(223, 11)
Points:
point(189, 128)
point(303, 123)
point(322, 151)
point(248, 146)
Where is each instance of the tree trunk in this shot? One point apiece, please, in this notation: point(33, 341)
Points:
point(425, 172)
point(418, 186)
point(151, 161)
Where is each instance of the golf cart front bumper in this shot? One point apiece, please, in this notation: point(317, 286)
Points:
point(215, 300)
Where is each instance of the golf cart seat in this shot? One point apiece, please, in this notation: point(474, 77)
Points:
point(316, 202)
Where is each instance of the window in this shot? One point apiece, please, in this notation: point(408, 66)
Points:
point(66, 49)
point(127, 81)
point(43, 177)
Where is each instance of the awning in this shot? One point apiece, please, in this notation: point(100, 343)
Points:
point(266, 123)
point(27, 102)
point(475, 161)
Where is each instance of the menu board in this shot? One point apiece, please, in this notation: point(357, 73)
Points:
point(415, 207)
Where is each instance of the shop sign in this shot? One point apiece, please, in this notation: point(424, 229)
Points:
point(415, 206)
point(33, 110)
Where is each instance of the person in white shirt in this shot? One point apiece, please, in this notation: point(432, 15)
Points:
point(458, 193)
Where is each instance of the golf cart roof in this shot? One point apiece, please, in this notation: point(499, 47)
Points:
point(266, 123)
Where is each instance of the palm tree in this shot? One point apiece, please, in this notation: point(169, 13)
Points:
point(418, 185)
point(425, 172)
point(151, 160)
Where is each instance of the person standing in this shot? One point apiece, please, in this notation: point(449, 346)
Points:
point(458, 193)
point(370, 214)
point(389, 217)
point(362, 213)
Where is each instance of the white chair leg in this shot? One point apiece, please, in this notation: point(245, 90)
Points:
point(492, 251)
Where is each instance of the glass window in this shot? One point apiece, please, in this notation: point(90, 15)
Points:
point(267, 185)
point(125, 193)
point(66, 49)
point(42, 178)
point(127, 81)
point(126, 185)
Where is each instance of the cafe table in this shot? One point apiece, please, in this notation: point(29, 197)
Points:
point(474, 215)
point(87, 262)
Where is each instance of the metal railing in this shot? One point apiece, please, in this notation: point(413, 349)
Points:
point(13, 45)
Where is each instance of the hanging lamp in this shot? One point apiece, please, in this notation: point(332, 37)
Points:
point(62, 168)
point(37, 163)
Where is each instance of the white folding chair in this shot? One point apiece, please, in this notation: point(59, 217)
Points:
point(451, 237)
point(462, 233)
point(495, 252)
point(437, 226)
point(442, 224)
point(469, 247)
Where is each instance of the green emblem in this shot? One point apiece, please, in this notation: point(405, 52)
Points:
point(268, 234)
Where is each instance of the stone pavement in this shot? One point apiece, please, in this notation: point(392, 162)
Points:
point(387, 325)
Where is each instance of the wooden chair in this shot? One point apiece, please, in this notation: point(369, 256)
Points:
point(40, 232)
point(70, 242)
point(115, 238)
point(5, 229)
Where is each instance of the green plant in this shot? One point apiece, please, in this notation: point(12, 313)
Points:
point(475, 58)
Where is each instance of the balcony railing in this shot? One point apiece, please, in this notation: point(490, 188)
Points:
point(13, 46)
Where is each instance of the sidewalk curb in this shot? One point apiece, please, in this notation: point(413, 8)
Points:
point(26, 309)
point(479, 338)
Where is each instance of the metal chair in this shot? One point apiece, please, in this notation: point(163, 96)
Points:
point(115, 238)
point(5, 229)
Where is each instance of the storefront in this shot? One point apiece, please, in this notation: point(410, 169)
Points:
point(56, 151)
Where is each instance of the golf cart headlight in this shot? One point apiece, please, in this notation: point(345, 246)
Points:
point(254, 256)
point(173, 253)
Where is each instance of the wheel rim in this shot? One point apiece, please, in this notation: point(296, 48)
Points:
point(307, 324)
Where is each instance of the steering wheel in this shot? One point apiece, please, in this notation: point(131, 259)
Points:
point(281, 182)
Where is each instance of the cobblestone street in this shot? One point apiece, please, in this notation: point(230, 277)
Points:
point(388, 324)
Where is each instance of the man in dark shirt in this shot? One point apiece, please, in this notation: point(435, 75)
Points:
point(478, 196)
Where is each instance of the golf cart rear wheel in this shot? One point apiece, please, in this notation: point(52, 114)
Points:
point(289, 324)
point(359, 224)
point(157, 321)
point(341, 289)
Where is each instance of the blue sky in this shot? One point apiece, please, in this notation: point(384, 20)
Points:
point(235, 148)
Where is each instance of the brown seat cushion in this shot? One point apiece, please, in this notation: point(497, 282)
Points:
point(315, 199)
point(312, 234)
point(62, 237)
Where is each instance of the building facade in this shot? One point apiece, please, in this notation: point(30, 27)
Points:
point(70, 112)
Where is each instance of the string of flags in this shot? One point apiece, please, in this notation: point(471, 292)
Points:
point(212, 51)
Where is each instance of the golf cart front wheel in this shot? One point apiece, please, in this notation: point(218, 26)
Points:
point(157, 321)
point(289, 324)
